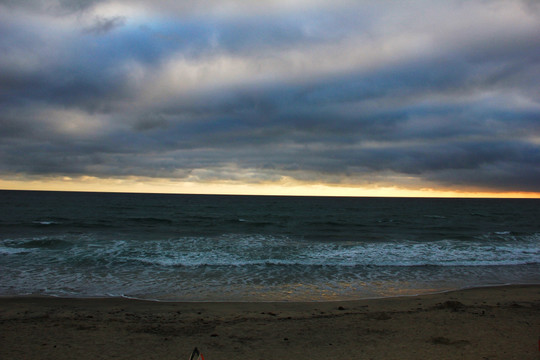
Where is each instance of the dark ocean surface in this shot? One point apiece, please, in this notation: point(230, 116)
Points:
point(258, 248)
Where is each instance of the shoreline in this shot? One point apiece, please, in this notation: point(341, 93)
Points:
point(495, 322)
point(435, 292)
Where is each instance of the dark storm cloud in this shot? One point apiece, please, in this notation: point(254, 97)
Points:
point(314, 95)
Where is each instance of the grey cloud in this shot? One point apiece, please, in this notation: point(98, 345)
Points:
point(500, 176)
point(464, 116)
point(103, 25)
point(151, 122)
point(52, 7)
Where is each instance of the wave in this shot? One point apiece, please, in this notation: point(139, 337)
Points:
point(257, 264)
point(4, 250)
point(46, 222)
point(44, 243)
point(32, 223)
point(256, 223)
point(60, 224)
point(290, 263)
point(493, 249)
point(242, 250)
point(435, 216)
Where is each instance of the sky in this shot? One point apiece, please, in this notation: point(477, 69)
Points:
point(340, 97)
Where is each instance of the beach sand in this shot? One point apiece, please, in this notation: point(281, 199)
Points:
point(482, 323)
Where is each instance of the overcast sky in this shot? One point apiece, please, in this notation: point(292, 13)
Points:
point(411, 94)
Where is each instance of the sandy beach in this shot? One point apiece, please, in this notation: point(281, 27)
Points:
point(482, 323)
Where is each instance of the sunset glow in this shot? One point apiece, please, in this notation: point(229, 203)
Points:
point(286, 188)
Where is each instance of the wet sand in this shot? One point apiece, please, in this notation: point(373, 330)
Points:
point(482, 323)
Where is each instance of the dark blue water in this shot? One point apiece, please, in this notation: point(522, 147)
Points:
point(201, 247)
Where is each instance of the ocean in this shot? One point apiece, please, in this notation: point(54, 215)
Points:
point(261, 248)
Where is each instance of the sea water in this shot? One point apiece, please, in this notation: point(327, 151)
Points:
point(261, 248)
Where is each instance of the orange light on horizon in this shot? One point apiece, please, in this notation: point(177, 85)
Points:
point(286, 188)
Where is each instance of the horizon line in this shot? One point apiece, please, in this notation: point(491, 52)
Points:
point(277, 195)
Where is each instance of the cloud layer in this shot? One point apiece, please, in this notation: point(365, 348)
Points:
point(412, 94)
